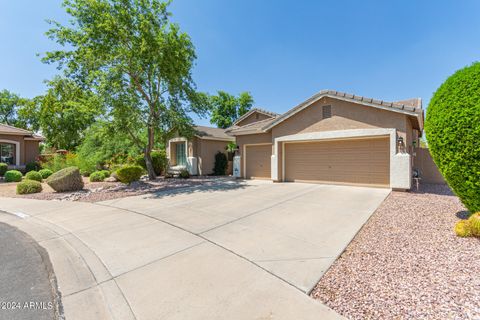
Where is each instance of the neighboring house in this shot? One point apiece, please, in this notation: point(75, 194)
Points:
point(332, 137)
point(18, 146)
point(197, 154)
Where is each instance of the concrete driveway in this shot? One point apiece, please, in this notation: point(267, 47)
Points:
point(232, 250)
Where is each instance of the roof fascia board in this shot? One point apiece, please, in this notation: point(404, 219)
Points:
point(215, 138)
point(246, 115)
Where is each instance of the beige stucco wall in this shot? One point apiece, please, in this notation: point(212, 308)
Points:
point(345, 115)
point(206, 154)
point(428, 170)
point(253, 118)
point(32, 151)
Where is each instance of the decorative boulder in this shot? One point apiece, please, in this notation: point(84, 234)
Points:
point(68, 179)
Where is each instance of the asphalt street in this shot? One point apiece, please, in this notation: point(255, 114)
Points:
point(27, 285)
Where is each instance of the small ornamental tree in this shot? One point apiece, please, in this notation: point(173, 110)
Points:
point(453, 131)
point(137, 60)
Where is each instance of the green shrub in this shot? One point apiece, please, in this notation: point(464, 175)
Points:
point(474, 224)
point(85, 173)
point(105, 173)
point(45, 173)
point(462, 229)
point(184, 174)
point(97, 176)
point(453, 127)
point(221, 164)
point(29, 186)
point(13, 176)
point(68, 179)
point(3, 168)
point(159, 161)
point(34, 175)
point(32, 166)
point(129, 174)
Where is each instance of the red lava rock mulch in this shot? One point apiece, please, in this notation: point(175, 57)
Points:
point(407, 263)
point(100, 191)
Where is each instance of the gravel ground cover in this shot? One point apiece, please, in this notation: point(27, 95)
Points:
point(407, 263)
point(100, 191)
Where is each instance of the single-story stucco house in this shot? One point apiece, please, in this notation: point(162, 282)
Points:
point(18, 146)
point(332, 137)
point(197, 154)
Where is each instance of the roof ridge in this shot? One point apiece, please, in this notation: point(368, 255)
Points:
point(393, 106)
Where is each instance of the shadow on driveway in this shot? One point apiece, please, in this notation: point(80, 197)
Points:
point(211, 185)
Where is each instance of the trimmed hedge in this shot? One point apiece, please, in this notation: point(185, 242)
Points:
point(45, 173)
point(68, 179)
point(97, 176)
point(474, 223)
point(3, 168)
point(452, 126)
point(29, 186)
point(105, 173)
point(34, 175)
point(13, 176)
point(128, 174)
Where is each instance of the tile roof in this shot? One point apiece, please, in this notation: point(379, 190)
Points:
point(211, 133)
point(11, 130)
point(266, 112)
point(411, 106)
point(253, 127)
point(7, 129)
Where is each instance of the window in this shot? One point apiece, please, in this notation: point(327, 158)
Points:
point(326, 112)
point(7, 153)
point(181, 156)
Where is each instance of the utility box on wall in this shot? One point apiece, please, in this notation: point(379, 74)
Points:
point(236, 167)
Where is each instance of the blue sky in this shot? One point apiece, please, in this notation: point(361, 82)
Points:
point(283, 51)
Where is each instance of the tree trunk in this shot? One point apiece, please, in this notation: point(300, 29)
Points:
point(147, 154)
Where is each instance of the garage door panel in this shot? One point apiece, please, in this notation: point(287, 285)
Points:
point(356, 161)
point(258, 161)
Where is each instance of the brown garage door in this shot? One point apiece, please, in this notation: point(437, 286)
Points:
point(258, 161)
point(354, 161)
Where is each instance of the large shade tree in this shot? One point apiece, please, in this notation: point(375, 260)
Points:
point(136, 59)
point(227, 108)
point(65, 112)
point(12, 109)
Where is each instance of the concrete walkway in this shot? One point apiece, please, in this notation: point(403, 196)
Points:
point(247, 250)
